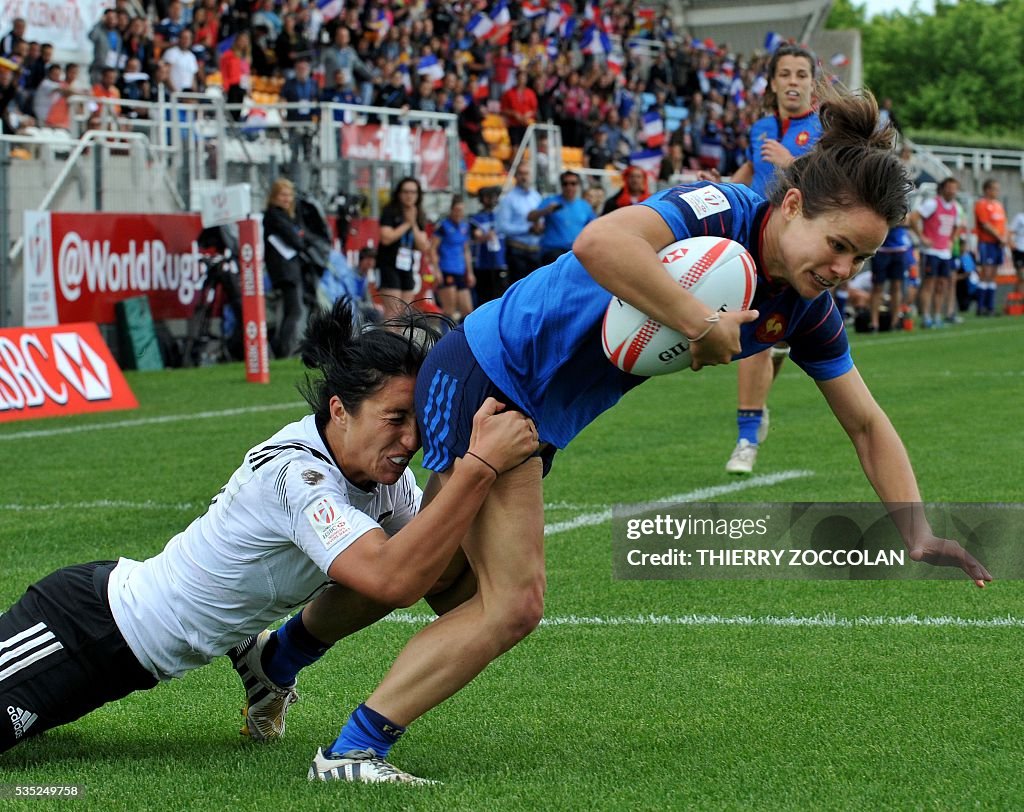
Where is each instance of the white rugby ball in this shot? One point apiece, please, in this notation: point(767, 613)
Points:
point(718, 271)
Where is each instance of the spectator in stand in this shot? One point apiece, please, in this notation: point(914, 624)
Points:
point(134, 86)
point(519, 106)
point(575, 109)
point(403, 240)
point(160, 88)
point(1017, 248)
point(564, 216)
point(40, 55)
point(206, 26)
point(264, 59)
point(470, 124)
point(264, 16)
point(489, 264)
point(174, 23)
point(184, 65)
point(522, 235)
point(340, 55)
point(341, 92)
point(392, 93)
point(235, 72)
point(107, 89)
point(634, 190)
point(291, 46)
point(450, 247)
point(990, 228)
point(50, 90)
point(301, 94)
point(137, 44)
point(597, 154)
point(936, 223)
point(619, 143)
point(13, 37)
point(674, 163)
point(106, 45)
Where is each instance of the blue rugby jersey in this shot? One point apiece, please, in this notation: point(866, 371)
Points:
point(541, 342)
point(798, 135)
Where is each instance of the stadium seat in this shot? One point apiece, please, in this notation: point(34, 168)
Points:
point(647, 99)
point(674, 116)
point(572, 157)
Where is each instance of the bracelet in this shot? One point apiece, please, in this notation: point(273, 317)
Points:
point(712, 320)
point(485, 462)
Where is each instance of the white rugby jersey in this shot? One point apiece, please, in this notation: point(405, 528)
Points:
point(259, 552)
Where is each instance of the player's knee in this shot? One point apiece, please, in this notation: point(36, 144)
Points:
point(522, 615)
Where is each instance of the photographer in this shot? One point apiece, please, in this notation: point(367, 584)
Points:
point(283, 240)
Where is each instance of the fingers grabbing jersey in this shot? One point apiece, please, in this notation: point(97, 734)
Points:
point(263, 548)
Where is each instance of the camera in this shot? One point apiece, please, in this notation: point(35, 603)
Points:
point(349, 207)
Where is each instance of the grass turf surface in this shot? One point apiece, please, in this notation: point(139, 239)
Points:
point(582, 716)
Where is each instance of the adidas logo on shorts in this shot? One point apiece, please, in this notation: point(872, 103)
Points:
point(21, 720)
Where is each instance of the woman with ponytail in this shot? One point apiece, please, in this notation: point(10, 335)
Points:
point(326, 504)
point(540, 346)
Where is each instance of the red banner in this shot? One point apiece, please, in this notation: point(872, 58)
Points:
point(50, 371)
point(427, 149)
point(86, 263)
point(254, 305)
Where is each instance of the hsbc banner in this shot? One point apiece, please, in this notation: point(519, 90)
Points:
point(400, 143)
point(254, 307)
point(78, 266)
point(50, 371)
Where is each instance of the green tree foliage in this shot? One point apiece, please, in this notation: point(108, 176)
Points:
point(961, 69)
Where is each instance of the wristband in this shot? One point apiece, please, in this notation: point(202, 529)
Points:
point(712, 320)
point(485, 462)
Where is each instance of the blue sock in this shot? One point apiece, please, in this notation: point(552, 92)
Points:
point(748, 421)
point(367, 730)
point(296, 648)
point(991, 298)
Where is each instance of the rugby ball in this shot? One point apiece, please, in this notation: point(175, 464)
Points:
point(718, 271)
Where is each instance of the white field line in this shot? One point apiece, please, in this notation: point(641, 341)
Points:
point(148, 421)
point(583, 520)
point(701, 494)
point(826, 621)
point(100, 504)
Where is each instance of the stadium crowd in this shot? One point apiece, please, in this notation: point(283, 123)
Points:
point(624, 87)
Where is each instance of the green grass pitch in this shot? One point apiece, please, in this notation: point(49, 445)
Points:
point(603, 708)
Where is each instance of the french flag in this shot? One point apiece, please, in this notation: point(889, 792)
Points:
point(480, 25)
point(648, 160)
point(501, 21)
point(595, 41)
point(615, 62)
point(653, 131)
point(225, 45)
point(483, 87)
point(430, 68)
point(329, 9)
point(383, 20)
point(772, 41)
point(533, 9)
point(406, 79)
point(839, 60)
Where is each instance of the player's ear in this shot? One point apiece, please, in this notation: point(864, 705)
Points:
point(792, 204)
point(338, 413)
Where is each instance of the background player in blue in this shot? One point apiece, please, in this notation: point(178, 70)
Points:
point(539, 348)
point(790, 129)
point(450, 245)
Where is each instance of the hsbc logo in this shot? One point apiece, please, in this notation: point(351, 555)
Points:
point(58, 370)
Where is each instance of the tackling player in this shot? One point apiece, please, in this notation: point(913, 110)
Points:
point(310, 509)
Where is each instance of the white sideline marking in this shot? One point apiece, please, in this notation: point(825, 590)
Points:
point(584, 520)
point(827, 621)
point(148, 421)
point(600, 517)
point(120, 504)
